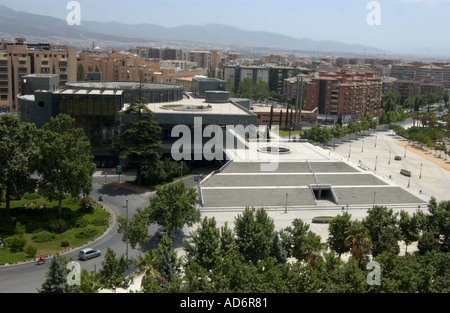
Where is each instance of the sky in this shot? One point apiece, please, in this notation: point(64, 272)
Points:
point(401, 25)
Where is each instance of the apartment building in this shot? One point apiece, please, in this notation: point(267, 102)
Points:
point(349, 94)
point(403, 71)
point(21, 58)
point(202, 58)
point(446, 76)
point(430, 74)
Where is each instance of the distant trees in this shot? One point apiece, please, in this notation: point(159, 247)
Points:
point(258, 91)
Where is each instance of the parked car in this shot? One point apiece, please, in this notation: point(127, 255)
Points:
point(89, 253)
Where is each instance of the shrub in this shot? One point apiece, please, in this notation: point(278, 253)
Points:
point(31, 196)
point(43, 236)
point(17, 243)
point(87, 205)
point(64, 243)
point(398, 158)
point(99, 221)
point(59, 226)
point(86, 233)
point(30, 251)
point(20, 229)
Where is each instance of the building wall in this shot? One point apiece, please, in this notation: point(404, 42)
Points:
point(24, 59)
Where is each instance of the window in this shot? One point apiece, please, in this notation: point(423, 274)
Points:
point(44, 62)
point(3, 69)
point(4, 97)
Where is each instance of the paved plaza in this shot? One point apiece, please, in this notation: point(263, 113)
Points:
point(304, 178)
point(369, 168)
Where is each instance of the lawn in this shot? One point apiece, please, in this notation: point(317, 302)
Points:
point(45, 230)
point(285, 133)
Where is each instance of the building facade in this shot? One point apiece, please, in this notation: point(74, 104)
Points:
point(20, 58)
point(348, 94)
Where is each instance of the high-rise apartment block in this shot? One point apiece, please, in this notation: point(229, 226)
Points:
point(202, 58)
point(21, 58)
point(349, 94)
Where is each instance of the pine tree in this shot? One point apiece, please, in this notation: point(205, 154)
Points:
point(165, 267)
point(56, 281)
point(278, 252)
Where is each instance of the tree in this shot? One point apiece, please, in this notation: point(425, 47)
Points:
point(19, 155)
point(174, 206)
point(66, 165)
point(261, 90)
point(88, 283)
point(382, 225)
point(254, 231)
point(277, 251)
point(211, 73)
point(271, 117)
point(137, 228)
point(81, 75)
point(337, 230)
point(409, 228)
point(112, 275)
point(205, 245)
point(165, 267)
point(301, 243)
point(445, 98)
point(56, 277)
point(359, 241)
point(139, 137)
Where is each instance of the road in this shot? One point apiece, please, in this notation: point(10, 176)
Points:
point(26, 278)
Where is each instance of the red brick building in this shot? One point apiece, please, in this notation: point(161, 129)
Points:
point(349, 94)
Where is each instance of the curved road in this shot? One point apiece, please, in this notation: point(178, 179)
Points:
point(26, 278)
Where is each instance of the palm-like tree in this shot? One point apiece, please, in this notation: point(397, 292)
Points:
point(146, 265)
point(358, 240)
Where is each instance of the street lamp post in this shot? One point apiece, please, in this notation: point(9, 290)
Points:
point(349, 148)
point(420, 176)
point(409, 182)
point(389, 158)
point(362, 148)
point(285, 208)
point(376, 160)
point(126, 227)
point(405, 152)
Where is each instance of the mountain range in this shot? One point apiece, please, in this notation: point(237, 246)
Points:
point(114, 34)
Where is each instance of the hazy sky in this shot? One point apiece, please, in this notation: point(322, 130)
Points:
point(405, 24)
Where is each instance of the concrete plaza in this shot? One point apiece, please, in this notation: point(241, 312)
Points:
point(361, 156)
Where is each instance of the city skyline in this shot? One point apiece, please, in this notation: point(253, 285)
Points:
point(405, 26)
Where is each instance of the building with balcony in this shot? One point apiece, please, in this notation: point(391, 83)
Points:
point(20, 58)
point(348, 94)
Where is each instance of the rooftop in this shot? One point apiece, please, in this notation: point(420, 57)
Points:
point(120, 85)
